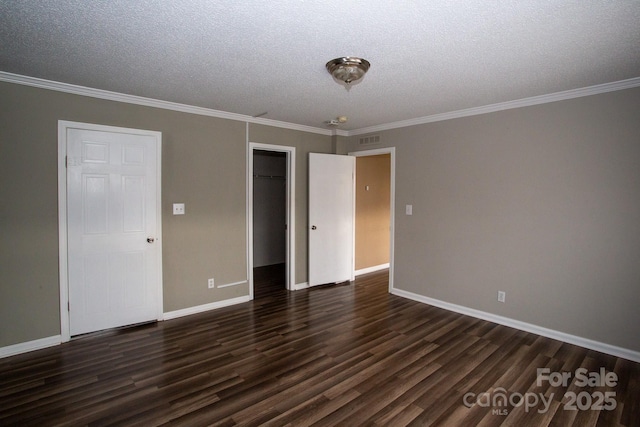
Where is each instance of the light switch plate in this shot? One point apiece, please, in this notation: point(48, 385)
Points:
point(502, 296)
point(409, 210)
point(178, 208)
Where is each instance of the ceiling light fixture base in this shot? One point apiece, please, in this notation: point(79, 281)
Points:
point(337, 121)
point(348, 69)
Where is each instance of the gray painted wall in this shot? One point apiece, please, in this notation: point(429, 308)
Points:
point(542, 202)
point(204, 165)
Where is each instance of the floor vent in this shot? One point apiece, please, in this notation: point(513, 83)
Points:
point(371, 139)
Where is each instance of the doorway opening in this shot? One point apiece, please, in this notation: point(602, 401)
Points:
point(271, 218)
point(374, 211)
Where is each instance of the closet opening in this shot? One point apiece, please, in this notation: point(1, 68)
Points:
point(270, 225)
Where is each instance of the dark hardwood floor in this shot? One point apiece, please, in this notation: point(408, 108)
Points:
point(348, 354)
point(268, 279)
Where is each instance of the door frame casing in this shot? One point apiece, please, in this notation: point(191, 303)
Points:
point(392, 152)
point(290, 256)
point(63, 126)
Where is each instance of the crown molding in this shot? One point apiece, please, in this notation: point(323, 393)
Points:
point(340, 132)
point(184, 108)
point(150, 102)
point(525, 102)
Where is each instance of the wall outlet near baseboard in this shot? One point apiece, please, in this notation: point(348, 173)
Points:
point(501, 296)
point(178, 208)
point(211, 283)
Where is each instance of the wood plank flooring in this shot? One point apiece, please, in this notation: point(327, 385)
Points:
point(349, 354)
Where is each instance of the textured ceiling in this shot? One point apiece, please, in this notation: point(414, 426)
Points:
point(427, 57)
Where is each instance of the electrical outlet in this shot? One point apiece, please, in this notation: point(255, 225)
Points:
point(211, 283)
point(178, 208)
point(501, 296)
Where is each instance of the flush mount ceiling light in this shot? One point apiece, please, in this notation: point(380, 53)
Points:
point(348, 69)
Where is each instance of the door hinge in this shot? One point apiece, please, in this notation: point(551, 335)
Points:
point(66, 161)
point(68, 306)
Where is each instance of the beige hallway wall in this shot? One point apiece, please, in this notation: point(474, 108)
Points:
point(373, 186)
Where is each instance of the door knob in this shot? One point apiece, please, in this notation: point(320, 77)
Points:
point(151, 239)
point(313, 227)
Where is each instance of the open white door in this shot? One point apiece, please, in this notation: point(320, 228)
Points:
point(331, 218)
point(113, 229)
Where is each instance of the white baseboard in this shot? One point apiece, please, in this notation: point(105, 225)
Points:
point(205, 307)
point(298, 286)
point(242, 282)
point(371, 269)
point(24, 347)
point(523, 326)
point(624, 353)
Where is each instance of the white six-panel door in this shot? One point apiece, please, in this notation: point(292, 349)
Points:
point(331, 218)
point(112, 228)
